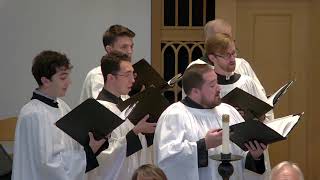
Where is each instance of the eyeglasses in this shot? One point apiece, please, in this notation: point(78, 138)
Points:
point(227, 55)
point(127, 75)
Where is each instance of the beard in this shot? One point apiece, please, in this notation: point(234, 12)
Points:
point(210, 103)
point(229, 68)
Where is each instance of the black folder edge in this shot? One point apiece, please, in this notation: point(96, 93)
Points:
point(235, 138)
point(136, 100)
point(157, 81)
point(139, 99)
point(281, 92)
point(66, 120)
point(250, 111)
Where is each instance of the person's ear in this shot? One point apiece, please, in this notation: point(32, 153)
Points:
point(45, 81)
point(108, 48)
point(195, 91)
point(110, 77)
point(211, 57)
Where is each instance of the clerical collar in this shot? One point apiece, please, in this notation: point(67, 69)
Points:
point(205, 58)
point(105, 95)
point(224, 80)
point(44, 98)
point(190, 103)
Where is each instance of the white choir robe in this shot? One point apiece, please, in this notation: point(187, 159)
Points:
point(175, 147)
point(113, 163)
point(41, 150)
point(92, 84)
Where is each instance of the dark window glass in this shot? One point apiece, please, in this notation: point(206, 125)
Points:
point(211, 10)
point(169, 13)
point(182, 59)
point(179, 95)
point(197, 13)
point(169, 66)
point(196, 53)
point(183, 13)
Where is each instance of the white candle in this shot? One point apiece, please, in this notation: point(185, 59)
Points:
point(225, 134)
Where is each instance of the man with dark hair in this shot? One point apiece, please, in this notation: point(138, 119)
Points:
point(188, 132)
point(128, 147)
point(41, 150)
point(117, 37)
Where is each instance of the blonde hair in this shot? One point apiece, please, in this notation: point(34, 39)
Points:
point(149, 171)
point(286, 165)
point(215, 26)
point(218, 43)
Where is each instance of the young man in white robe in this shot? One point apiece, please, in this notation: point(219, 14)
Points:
point(242, 66)
point(221, 51)
point(42, 150)
point(188, 132)
point(128, 147)
point(118, 38)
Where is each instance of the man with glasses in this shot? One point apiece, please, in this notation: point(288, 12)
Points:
point(128, 147)
point(222, 53)
point(241, 65)
point(116, 37)
point(189, 132)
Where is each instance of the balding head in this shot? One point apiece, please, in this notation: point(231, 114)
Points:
point(217, 26)
point(286, 171)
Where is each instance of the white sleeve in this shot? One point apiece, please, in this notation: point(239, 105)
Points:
point(246, 69)
point(174, 155)
point(92, 86)
point(111, 160)
point(52, 155)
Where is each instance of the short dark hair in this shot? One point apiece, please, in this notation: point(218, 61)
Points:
point(110, 63)
point(47, 63)
point(114, 31)
point(193, 77)
point(149, 170)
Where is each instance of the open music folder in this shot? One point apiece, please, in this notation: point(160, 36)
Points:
point(150, 101)
point(147, 76)
point(274, 98)
point(89, 116)
point(266, 133)
point(252, 106)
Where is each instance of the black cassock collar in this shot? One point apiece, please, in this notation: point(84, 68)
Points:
point(49, 101)
point(108, 96)
point(224, 80)
point(190, 103)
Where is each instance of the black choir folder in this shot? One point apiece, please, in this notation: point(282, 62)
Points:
point(89, 116)
point(149, 77)
point(150, 101)
point(274, 98)
point(252, 106)
point(267, 133)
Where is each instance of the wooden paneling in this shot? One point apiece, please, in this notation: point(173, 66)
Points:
point(274, 38)
point(7, 129)
point(313, 140)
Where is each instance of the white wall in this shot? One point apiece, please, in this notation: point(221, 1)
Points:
point(74, 27)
